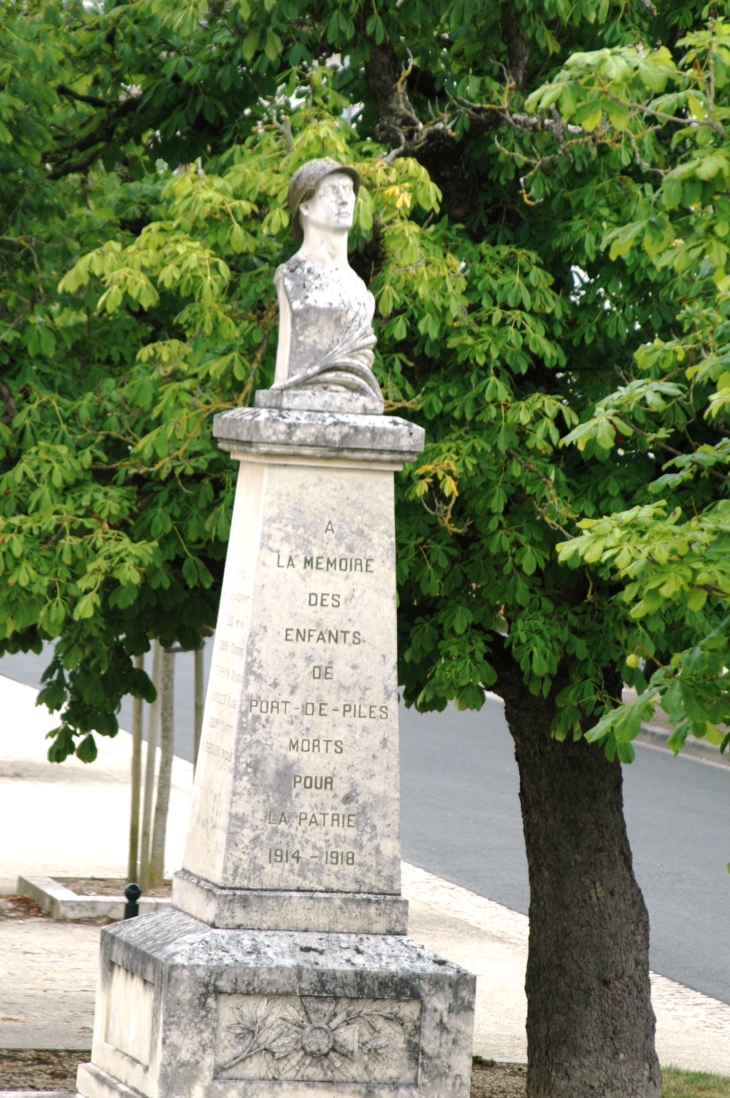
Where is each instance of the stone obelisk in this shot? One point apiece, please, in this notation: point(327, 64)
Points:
point(283, 968)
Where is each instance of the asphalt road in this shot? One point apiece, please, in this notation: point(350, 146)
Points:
point(460, 819)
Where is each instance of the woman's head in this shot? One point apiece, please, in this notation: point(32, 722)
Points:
point(323, 192)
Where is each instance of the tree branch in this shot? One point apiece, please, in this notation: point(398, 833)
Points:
point(92, 100)
point(387, 82)
point(100, 135)
point(11, 408)
point(518, 47)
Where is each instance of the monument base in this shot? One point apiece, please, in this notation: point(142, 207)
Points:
point(249, 909)
point(186, 1010)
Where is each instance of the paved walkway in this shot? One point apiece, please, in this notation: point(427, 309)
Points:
point(72, 820)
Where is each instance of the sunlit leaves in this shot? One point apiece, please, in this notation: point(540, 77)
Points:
point(567, 357)
point(662, 559)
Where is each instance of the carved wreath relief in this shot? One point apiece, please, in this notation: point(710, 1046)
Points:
point(318, 1039)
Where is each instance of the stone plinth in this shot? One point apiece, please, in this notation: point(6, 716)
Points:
point(187, 1010)
point(283, 968)
point(352, 913)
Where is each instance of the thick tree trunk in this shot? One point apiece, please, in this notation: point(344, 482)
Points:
point(590, 1023)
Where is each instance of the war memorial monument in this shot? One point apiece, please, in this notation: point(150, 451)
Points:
point(283, 969)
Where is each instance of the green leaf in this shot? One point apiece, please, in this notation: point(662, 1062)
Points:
point(273, 46)
point(87, 750)
point(618, 114)
point(696, 599)
point(251, 43)
point(606, 434)
point(624, 238)
point(671, 192)
point(86, 606)
point(589, 116)
point(709, 167)
point(653, 75)
point(569, 99)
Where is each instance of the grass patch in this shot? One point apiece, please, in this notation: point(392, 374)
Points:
point(694, 1084)
point(497, 1080)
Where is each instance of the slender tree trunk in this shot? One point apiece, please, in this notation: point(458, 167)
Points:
point(136, 781)
point(590, 1023)
point(167, 744)
point(198, 701)
point(149, 777)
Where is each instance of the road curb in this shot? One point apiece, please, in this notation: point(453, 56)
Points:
point(38, 1094)
point(655, 736)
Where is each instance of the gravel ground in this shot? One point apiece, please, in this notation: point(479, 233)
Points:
point(55, 1069)
point(498, 1080)
point(40, 1069)
point(19, 907)
point(44, 1069)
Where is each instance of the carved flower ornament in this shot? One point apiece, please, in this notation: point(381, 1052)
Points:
point(314, 1038)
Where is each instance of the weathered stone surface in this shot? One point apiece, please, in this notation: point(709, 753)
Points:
point(382, 440)
point(325, 351)
point(246, 1013)
point(297, 781)
point(349, 912)
point(318, 1039)
point(318, 400)
point(325, 332)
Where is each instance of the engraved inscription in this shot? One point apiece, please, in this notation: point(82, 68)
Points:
point(216, 749)
point(312, 781)
point(339, 564)
point(317, 1039)
point(277, 706)
point(265, 705)
point(297, 605)
point(324, 599)
point(312, 819)
point(316, 747)
point(283, 854)
point(326, 564)
point(323, 636)
point(327, 819)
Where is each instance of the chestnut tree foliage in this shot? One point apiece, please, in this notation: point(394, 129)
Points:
point(544, 221)
point(545, 224)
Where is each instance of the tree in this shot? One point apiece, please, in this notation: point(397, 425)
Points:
point(542, 222)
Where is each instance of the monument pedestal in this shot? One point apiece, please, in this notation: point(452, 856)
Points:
point(185, 1010)
point(283, 969)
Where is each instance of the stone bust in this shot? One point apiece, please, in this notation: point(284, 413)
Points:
point(324, 357)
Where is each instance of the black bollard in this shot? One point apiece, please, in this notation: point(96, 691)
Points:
point(132, 893)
